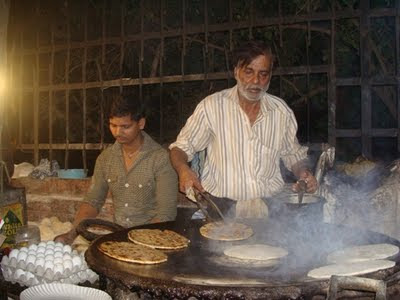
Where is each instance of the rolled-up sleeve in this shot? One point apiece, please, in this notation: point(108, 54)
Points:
point(166, 191)
point(292, 152)
point(196, 133)
point(98, 188)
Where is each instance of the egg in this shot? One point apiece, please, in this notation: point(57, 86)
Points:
point(49, 257)
point(58, 254)
point(77, 261)
point(18, 273)
point(41, 249)
point(39, 261)
point(67, 248)
point(24, 249)
point(40, 255)
point(58, 260)
point(50, 243)
point(33, 247)
point(58, 249)
point(48, 264)
point(22, 255)
point(31, 252)
point(67, 256)
point(50, 247)
point(58, 268)
point(67, 264)
point(49, 251)
point(42, 244)
point(58, 244)
point(31, 259)
point(14, 253)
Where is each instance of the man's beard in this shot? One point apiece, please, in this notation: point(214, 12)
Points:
point(244, 91)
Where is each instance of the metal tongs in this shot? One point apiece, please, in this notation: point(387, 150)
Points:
point(302, 188)
point(198, 195)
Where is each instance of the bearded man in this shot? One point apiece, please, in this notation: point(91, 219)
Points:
point(246, 132)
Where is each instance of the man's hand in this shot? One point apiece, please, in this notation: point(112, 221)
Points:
point(187, 179)
point(66, 238)
point(309, 179)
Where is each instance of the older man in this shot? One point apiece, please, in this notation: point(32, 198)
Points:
point(246, 133)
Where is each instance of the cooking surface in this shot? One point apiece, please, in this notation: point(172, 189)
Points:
point(199, 269)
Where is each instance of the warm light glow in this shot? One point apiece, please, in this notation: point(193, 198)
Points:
point(3, 83)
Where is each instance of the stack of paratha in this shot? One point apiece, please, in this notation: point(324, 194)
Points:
point(357, 260)
point(143, 246)
point(261, 255)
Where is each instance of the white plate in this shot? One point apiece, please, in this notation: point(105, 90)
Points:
point(62, 291)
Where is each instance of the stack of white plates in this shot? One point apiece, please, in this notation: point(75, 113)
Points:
point(63, 291)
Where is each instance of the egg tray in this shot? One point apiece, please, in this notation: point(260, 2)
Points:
point(23, 270)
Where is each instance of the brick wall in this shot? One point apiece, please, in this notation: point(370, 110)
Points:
point(62, 197)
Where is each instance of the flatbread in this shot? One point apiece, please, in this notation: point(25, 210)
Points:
point(259, 252)
point(130, 252)
point(158, 239)
point(363, 253)
point(226, 231)
point(350, 269)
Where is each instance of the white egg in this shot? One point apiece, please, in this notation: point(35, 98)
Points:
point(41, 249)
point(67, 248)
point(49, 251)
point(58, 260)
point(67, 256)
point(50, 243)
point(22, 255)
point(39, 261)
point(58, 244)
point(68, 264)
point(77, 261)
point(58, 268)
point(57, 248)
point(50, 246)
point(49, 257)
point(31, 259)
point(31, 252)
point(40, 254)
point(42, 244)
point(48, 264)
point(14, 253)
point(24, 249)
point(18, 273)
point(33, 247)
point(58, 254)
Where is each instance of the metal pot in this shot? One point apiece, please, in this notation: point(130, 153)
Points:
point(286, 206)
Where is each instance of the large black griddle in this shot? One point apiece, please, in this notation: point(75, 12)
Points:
point(188, 272)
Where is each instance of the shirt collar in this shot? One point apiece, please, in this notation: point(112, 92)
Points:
point(148, 144)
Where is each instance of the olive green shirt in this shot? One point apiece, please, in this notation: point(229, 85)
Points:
point(148, 190)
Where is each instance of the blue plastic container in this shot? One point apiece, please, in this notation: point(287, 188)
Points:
point(72, 173)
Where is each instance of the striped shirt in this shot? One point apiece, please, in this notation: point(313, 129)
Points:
point(148, 190)
point(243, 160)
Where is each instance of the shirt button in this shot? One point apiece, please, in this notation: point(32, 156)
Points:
point(127, 219)
point(126, 184)
point(126, 204)
point(108, 180)
point(140, 186)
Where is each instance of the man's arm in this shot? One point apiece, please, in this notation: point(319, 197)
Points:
point(187, 177)
point(166, 190)
point(85, 211)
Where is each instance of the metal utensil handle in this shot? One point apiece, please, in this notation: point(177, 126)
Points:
point(207, 197)
point(356, 283)
point(201, 207)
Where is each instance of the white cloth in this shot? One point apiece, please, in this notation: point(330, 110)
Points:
point(242, 160)
point(254, 208)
